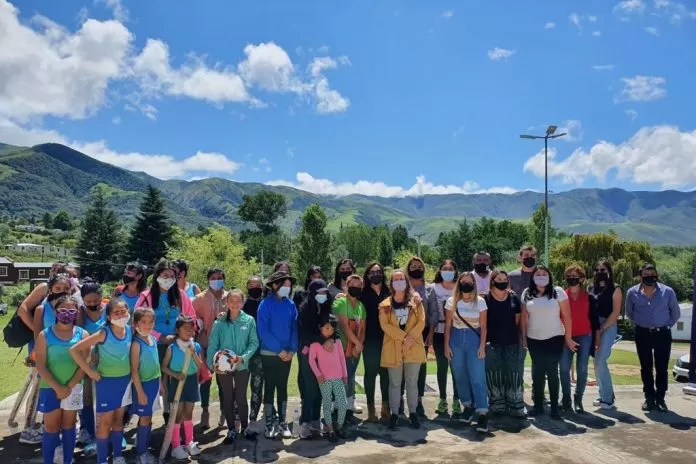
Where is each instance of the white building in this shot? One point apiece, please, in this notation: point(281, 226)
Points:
point(682, 329)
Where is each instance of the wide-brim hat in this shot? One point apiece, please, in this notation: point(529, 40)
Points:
point(279, 276)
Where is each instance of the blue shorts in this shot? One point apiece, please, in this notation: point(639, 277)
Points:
point(113, 393)
point(152, 388)
point(191, 392)
point(48, 401)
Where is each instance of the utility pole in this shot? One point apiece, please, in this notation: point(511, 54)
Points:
point(261, 264)
point(419, 243)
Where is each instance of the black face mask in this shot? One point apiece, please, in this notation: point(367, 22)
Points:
point(572, 281)
point(375, 279)
point(649, 281)
point(529, 262)
point(416, 274)
point(92, 307)
point(345, 274)
point(466, 287)
point(601, 276)
point(128, 279)
point(501, 285)
point(355, 292)
point(54, 296)
point(255, 293)
point(480, 268)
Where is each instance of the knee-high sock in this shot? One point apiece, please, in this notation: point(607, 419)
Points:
point(142, 439)
point(87, 420)
point(102, 450)
point(116, 438)
point(176, 436)
point(69, 436)
point(49, 442)
point(188, 432)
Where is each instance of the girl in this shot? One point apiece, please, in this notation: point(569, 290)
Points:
point(344, 269)
point(546, 325)
point(173, 366)
point(145, 374)
point(465, 346)
point(299, 298)
point(351, 319)
point(605, 297)
point(313, 273)
point(402, 319)
point(189, 288)
point(236, 332)
point(375, 290)
point(254, 288)
point(60, 394)
point(416, 277)
point(277, 328)
point(443, 286)
point(44, 314)
point(134, 283)
point(112, 377)
point(329, 366)
point(503, 349)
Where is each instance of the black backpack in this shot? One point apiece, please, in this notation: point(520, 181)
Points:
point(16, 332)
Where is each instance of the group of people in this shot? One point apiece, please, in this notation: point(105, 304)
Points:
point(114, 357)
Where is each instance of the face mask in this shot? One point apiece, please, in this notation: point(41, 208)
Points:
point(649, 280)
point(480, 267)
point(501, 285)
point(345, 274)
point(67, 316)
point(255, 292)
point(355, 292)
point(399, 285)
point(529, 262)
point(283, 292)
point(121, 322)
point(466, 287)
point(320, 299)
point(54, 296)
point(93, 307)
point(572, 281)
point(541, 280)
point(416, 274)
point(143, 333)
point(74, 282)
point(128, 279)
point(166, 283)
point(601, 276)
point(447, 276)
point(375, 279)
point(217, 284)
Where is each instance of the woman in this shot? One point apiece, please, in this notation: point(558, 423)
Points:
point(375, 291)
point(44, 314)
point(254, 287)
point(134, 283)
point(344, 269)
point(313, 273)
point(351, 321)
point(277, 328)
point(236, 332)
point(315, 307)
point(416, 277)
point(465, 345)
point(443, 285)
point(402, 319)
point(189, 288)
point(503, 348)
point(546, 326)
point(605, 296)
point(208, 306)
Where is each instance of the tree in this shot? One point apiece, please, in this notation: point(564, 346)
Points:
point(47, 220)
point(385, 249)
point(458, 245)
point(152, 233)
point(62, 221)
point(358, 241)
point(313, 241)
point(263, 209)
point(400, 240)
point(99, 241)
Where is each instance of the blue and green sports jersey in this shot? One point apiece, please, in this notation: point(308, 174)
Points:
point(58, 360)
point(176, 364)
point(114, 353)
point(91, 326)
point(165, 316)
point(148, 364)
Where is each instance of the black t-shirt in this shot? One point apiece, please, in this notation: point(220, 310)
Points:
point(602, 299)
point(371, 301)
point(251, 307)
point(401, 312)
point(500, 321)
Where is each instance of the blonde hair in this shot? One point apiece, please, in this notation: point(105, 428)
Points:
point(457, 293)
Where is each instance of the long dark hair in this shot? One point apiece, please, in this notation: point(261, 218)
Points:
point(609, 284)
point(139, 269)
point(337, 274)
point(549, 290)
point(366, 280)
point(173, 294)
point(312, 270)
point(438, 277)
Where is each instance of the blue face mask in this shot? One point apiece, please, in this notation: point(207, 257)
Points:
point(283, 292)
point(447, 275)
point(321, 299)
point(217, 284)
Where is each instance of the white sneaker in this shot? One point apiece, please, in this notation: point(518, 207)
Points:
point(31, 436)
point(305, 431)
point(119, 460)
point(286, 433)
point(58, 455)
point(192, 449)
point(145, 458)
point(597, 402)
point(83, 437)
point(607, 406)
point(357, 409)
point(180, 454)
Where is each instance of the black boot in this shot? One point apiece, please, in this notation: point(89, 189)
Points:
point(579, 409)
point(566, 404)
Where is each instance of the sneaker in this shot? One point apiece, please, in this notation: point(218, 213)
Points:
point(441, 407)
point(420, 410)
point(317, 427)
point(117, 460)
point(413, 421)
point(285, 431)
point(31, 436)
point(333, 438)
point(482, 423)
point(192, 449)
point(456, 408)
point(661, 406)
point(357, 409)
point(90, 449)
point(596, 403)
point(467, 415)
point(577, 401)
point(270, 432)
point(305, 431)
point(58, 455)
point(604, 405)
point(180, 454)
point(230, 438)
point(145, 458)
point(648, 405)
point(83, 437)
point(393, 421)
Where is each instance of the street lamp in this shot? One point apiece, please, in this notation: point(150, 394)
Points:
point(550, 134)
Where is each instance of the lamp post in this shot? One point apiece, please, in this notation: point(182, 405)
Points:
point(550, 134)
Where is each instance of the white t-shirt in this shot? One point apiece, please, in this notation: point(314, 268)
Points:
point(544, 315)
point(483, 284)
point(469, 311)
point(442, 295)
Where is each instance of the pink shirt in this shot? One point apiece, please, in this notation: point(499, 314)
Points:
point(328, 364)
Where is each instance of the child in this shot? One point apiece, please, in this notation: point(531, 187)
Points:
point(60, 395)
point(112, 377)
point(145, 373)
point(328, 363)
point(172, 366)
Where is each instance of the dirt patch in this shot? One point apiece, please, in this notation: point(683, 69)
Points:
point(624, 370)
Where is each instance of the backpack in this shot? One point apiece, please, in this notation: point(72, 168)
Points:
point(16, 332)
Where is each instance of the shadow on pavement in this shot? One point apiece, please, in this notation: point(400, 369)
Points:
point(672, 419)
point(620, 416)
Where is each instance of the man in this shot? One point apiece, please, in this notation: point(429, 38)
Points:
point(482, 272)
point(653, 308)
point(519, 278)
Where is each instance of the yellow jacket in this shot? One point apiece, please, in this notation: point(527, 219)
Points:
point(392, 354)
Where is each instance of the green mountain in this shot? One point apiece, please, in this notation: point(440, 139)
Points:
point(51, 177)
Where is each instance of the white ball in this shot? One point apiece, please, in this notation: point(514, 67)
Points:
point(224, 361)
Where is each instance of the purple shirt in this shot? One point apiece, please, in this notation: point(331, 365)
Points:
point(660, 310)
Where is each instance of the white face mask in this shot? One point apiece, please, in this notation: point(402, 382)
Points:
point(399, 285)
point(143, 333)
point(121, 322)
point(541, 280)
point(165, 283)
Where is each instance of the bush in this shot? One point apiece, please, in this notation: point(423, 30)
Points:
point(626, 329)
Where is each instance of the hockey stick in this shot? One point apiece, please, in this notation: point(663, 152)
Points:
point(32, 403)
point(174, 409)
point(21, 396)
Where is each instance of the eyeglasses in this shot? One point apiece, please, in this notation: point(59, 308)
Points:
point(601, 270)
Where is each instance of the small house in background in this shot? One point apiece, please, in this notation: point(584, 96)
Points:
point(17, 273)
point(681, 331)
point(7, 274)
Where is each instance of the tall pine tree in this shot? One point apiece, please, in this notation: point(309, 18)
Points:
point(152, 233)
point(313, 242)
point(98, 246)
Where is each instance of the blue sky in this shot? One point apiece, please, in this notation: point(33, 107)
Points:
point(379, 97)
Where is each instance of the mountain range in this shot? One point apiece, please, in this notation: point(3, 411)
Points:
point(51, 177)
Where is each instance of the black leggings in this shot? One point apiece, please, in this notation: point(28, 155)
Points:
point(372, 358)
point(235, 386)
point(443, 365)
point(546, 355)
point(276, 373)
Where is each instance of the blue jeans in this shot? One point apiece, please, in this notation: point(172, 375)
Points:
point(584, 344)
point(468, 369)
point(601, 365)
point(351, 367)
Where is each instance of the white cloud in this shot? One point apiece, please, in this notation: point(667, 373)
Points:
point(498, 54)
point(596, 34)
point(263, 161)
point(323, 50)
point(661, 155)
point(592, 19)
point(603, 67)
point(549, 25)
point(458, 132)
point(573, 130)
point(269, 67)
point(290, 152)
point(642, 88)
point(116, 120)
point(119, 11)
point(674, 11)
point(575, 19)
point(327, 99)
point(448, 14)
point(633, 114)
point(652, 31)
point(628, 7)
point(305, 181)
